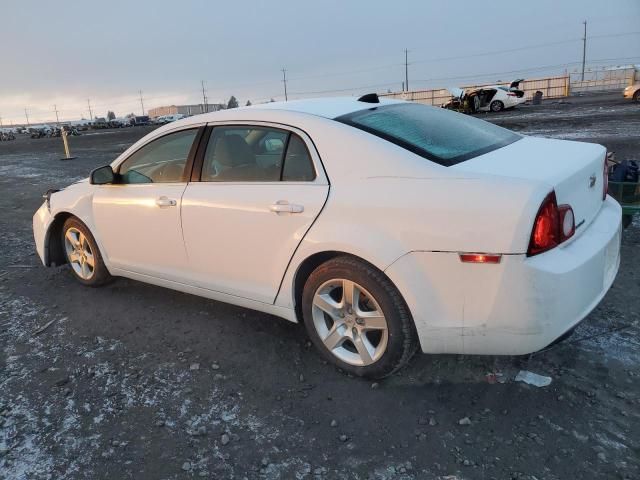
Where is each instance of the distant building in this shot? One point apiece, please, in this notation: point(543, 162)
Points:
point(185, 109)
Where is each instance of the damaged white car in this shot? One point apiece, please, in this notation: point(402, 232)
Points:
point(383, 226)
point(494, 98)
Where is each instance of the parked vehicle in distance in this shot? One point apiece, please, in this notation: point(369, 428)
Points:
point(384, 226)
point(81, 125)
point(493, 98)
point(164, 119)
point(7, 134)
point(140, 120)
point(99, 123)
point(71, 130)
point(633, 92)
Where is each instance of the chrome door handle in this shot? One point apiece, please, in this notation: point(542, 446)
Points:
point(283, 206)
point(165, 202)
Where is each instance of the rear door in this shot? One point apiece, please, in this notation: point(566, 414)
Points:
point(257, 190)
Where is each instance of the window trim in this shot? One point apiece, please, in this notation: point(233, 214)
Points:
point(320, 178)
point(188, 167)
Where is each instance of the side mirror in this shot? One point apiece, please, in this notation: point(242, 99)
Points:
point(102, 176)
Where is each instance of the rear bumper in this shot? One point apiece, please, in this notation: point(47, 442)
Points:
point(516, 307)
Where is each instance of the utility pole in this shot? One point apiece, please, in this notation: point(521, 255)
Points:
point(284, 80)
point(26, 115)
point(141, 102)
point(55, 109)
point(406, 69)
point(90, 112)
point(584, 47)
point(0, 122)
point(205, 105)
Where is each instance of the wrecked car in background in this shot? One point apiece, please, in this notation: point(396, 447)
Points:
point(493, 98)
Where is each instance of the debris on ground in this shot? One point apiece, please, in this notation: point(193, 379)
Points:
point(41, 329)
point(533, 378)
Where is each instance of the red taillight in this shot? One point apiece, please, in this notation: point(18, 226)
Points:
point(605, 179)
point(552, 226)
point(512, 95)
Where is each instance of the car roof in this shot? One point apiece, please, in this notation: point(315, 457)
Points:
point(322, 107)
point(326, 107)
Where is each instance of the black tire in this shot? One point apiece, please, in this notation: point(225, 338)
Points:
point(496, 106)
point(636, 96)
point(100, 275)
point(402, 341)
point(627, 220)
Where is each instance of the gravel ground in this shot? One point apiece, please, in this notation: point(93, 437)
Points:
point(135, 381)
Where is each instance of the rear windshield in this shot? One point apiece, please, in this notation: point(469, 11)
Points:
point(437, 134)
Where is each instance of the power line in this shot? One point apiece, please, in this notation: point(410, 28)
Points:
point(609, 35)
point(379, 85)
point(532, 69)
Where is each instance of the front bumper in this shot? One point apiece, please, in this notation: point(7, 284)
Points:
point(41, 221)
point(515, 307)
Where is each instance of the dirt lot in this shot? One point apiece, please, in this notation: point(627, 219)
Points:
point(134, 381)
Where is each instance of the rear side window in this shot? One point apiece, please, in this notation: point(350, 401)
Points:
point(298, 166)
point(437, 134)
point(256, 154)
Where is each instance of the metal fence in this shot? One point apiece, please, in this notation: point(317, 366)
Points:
point(603, 79)
point(551, 87)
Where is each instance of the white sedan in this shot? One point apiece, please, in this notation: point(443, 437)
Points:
point(493, 98)
point(384, 226)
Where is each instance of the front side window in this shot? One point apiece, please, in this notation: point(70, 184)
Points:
point(255, 154)
point(161, 161)
point(440, 135)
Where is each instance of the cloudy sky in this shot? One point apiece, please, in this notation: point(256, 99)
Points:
point(64, 53)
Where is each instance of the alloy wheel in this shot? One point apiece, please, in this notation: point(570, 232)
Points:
point(350, 322)
point(79, 253)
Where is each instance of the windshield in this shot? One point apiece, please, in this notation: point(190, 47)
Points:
point(437, 134)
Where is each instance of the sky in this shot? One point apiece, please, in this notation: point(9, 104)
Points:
point(64, 53)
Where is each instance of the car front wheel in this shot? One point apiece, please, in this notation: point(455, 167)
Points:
point(357, 318)
point(636, 96)
point(83, 255)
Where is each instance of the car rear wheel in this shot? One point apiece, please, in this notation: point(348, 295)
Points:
point(83, 255)
point(357, 318)
point(636, 96)
point(496, 106)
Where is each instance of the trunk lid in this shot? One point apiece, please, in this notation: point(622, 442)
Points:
point(573, 169)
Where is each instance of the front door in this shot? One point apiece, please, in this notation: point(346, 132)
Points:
point(260, 190)
point(138, 218)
